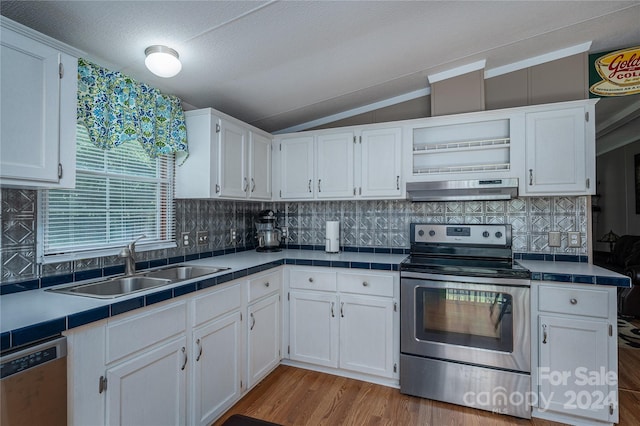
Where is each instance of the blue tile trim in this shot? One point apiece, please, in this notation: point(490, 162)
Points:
point(584, 279)
point(360, 265)
point(339, 264)
point(218, 253)
point(158, 262)
point(206, 254)
point(113, 270)
point(536, 276)
point(20, 286)
point(382, 250)
point(158, 297)
point(86, 317)
point(366, 250)
point(87, 275)
point(184, 289)
point(189, 257)
point(55, 280)
point(565, 278)
point(566, 258)
point(381, 266)
point(551, 257)
point(325, 263)
point(40, 331)
point(209, 282)
point(5, 341)
point(127, 305)
point(224, 278)
point(349, 249)
point(305, 262)
point(176, 259)
point(618, 282)
point(142, 265)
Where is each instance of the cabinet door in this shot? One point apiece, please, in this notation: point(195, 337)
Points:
point(381, 163)
point(556, 152)
point(216, 372)
point(264, 338)
point(36, 113)
point(296, 163)
point(335, 165)
point(260, 168)
point(234, 180)
point(199, 176)
point(572, 350)
point(366, 335)
point(149, 389)
point(313, 328)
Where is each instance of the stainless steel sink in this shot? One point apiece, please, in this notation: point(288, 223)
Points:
point(114, 287)
point(143, 280)
point(177, 273)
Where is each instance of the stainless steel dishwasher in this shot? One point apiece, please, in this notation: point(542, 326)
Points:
point(33, 385)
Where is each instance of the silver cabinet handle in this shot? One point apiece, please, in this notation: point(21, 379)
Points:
point(398, 182)
point(573, 301)
point(544, 334)
point(217, 188)
point(253, 321)
point(184, 352)
point(342, 309)
point(253, 184)
point(199, 350)
point(319, 180)
point(365, 284)
point(333, 315)
point(309, 185)
point(310, 279)
point(530, 177)
point(266, 284)
point(246, 185)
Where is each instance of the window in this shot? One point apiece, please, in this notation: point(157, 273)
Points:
point(120, 194)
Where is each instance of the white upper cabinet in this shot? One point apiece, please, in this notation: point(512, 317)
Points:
point(38, 105)
point(560, 151)
point(381, 162)
point(335, 165)
point(296, 168)
point(340, 164)
point(227, 159)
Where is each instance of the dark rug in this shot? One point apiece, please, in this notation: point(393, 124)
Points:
point(628, 335)
point(240, 420)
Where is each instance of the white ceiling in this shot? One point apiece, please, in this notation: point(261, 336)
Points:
point(276, 64)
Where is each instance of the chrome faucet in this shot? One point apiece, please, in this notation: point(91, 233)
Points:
point(129, 255)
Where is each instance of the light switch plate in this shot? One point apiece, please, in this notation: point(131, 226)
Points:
point(574, 239)
point(554, 239)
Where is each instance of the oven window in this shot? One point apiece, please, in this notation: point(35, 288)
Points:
point(480, 319)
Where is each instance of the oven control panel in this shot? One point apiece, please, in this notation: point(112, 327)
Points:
point(499, 235)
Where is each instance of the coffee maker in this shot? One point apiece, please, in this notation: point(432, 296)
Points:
point(267, 232)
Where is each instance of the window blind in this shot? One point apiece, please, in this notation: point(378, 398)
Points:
point(120, 194)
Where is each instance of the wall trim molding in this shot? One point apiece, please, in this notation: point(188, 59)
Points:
point(455, 72)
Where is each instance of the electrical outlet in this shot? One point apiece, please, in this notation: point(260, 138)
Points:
point(285, 231)
point(234, 236)
point(185, 239)
point(203, 238)
point(554, 239)
point(574, 239)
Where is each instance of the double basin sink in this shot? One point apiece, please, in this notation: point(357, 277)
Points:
point(143, 280)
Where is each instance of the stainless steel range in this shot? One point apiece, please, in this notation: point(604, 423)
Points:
point(465, 319)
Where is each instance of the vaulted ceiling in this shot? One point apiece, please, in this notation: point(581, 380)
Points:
point(277, 64)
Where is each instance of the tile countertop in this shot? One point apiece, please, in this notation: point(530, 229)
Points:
point(574, 272)
point(29, 316)
point(32, 315)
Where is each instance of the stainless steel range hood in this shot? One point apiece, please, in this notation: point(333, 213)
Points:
point(463, 190)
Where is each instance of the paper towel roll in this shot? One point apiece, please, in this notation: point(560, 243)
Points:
point(332, 238)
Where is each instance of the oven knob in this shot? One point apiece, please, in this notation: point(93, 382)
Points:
point(421, 233)
point(432, 233)
point(498, 234)
point(485, 234)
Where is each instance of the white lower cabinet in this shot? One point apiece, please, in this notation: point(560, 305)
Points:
point(346, 321)
point(263, 338)
point(183, 361)
point(576, 352)
point(149, 389)
point(217, 370)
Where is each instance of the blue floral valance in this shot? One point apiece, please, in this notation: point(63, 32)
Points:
point(115, 108)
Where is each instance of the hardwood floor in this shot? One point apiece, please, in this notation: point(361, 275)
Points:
point(629, 383)
point(293, 396)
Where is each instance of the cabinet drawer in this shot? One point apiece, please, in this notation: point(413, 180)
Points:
point(375, 285)
point(311, 279)
point(216, 303)
point(141, 331)
point(574, 301)
point(263, 285)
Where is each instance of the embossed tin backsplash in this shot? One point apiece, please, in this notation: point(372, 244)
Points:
point(381, 223)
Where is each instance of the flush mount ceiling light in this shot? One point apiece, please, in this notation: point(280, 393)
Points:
point(162, 61)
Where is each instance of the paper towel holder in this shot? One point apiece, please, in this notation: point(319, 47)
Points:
point(332, 236)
